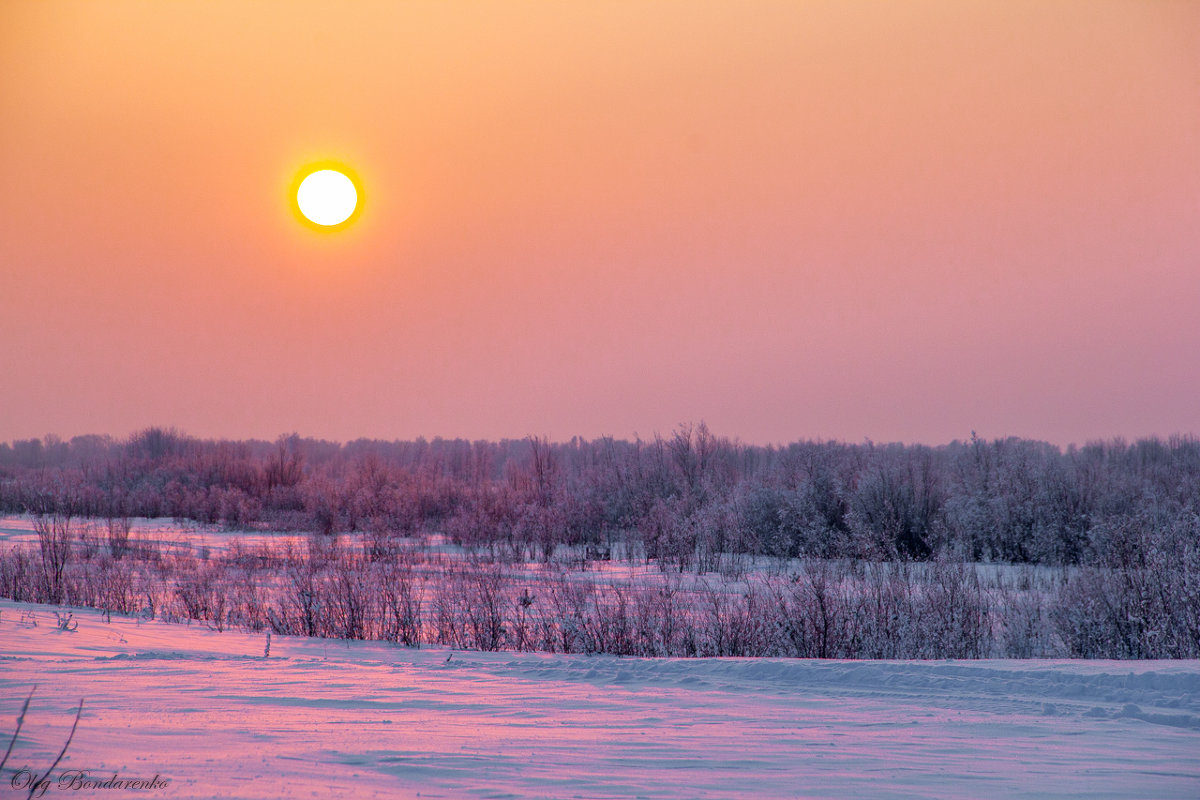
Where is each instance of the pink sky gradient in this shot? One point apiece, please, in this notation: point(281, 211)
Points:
point(901, 221)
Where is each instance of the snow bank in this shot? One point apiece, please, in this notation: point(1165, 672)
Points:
point(208, 712)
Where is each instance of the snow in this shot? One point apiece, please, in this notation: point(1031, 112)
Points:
point(324, 718)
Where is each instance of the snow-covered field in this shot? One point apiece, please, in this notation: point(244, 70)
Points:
point(323, 718)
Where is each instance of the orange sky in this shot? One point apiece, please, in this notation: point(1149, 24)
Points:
point(901, 221)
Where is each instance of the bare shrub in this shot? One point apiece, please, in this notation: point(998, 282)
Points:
point(485, 605)
point(19, 575)
point(303, 609)
point(322, 550)
point(562, 620)
point(886, 613)
point(661, 623)
point(116, 585)
point(381, 540)
point(521, 634)
point(54, 533)
point(450, 598)
point(350, 600)
point(202, 593)
point(954, 610)
point(401, 598)
point(1019, 611)
point(1089, 617)
point(731, 623)
point(88, 541)
point(607, 623)
point(1144, 604)
point(821, 613)
point(118, 530)
point(248, 603)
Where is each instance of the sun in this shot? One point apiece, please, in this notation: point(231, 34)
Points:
point(327, 197)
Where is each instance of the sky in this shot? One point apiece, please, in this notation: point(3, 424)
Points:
point(794, 220)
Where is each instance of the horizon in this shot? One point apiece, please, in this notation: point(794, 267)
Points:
point(51, 439)
point(811, 222)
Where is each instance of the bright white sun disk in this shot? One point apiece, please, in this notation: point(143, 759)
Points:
point(327, 197)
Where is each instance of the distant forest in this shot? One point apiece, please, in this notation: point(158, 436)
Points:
point(681, 500)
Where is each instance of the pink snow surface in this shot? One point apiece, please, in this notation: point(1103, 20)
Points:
point(325, 718)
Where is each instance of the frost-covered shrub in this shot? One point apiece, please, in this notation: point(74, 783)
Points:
point(401, 601)
point(56, 536)
point(821, 612)
point(117, 583)
point(562, 616)
point(886, 613)
point(348, 598)
point(203, 593)
point(954, 610)
point(1143, 600)
point(1019, 610)
point(1143, 603)
point(19, 576)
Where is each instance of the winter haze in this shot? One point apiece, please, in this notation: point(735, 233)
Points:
point(798, 220)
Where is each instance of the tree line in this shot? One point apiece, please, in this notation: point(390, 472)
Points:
point(681, 500)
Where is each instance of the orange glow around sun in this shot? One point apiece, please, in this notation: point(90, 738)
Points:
point(326, 196)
